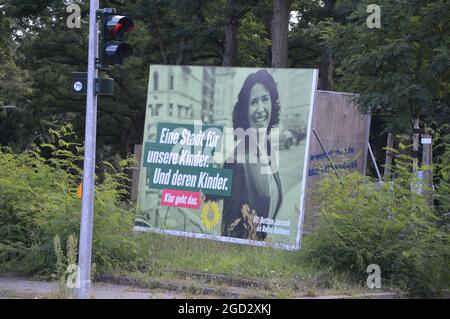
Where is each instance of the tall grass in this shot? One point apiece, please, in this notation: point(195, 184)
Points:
point(38, 202)
point(391, 225)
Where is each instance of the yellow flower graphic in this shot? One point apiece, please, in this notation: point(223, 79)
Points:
point(210, 214)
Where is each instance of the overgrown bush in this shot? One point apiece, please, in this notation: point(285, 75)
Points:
point(363, 222)
point(442, 178)
point(38, 202)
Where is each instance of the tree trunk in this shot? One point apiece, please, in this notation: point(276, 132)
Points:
point(234, 11)
point(327, 60)
point(415, 154)
point(231, 28)
point(180, 56)
point(389, 156)
point(162, 49)
point(326, 70)
point(427, 162)
point(280, 28)
point(125, 145)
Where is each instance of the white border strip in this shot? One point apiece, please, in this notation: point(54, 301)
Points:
point(216, 238)
point(306, 161)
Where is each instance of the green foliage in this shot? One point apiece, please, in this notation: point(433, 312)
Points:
point(253, 42)
point(442, 176)
point(64, 263)
point(38, 202)
point(401, 69)
point(60, 264)
point(363, 223)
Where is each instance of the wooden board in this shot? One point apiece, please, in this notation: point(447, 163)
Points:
point(344, 133)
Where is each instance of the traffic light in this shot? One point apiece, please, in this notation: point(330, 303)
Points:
point(112, 48)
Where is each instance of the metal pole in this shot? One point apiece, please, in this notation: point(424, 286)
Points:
point(87, 205)
point(326, 153)
point(415, 155)
point(389, 156)
point(427, 163)
point(375, 163)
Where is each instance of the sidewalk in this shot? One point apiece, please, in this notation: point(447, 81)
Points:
point(22, 288)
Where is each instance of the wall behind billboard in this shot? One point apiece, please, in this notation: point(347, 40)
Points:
point(344, 134)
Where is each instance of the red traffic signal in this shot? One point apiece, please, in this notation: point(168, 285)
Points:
point(117, 25)
point(112, 47)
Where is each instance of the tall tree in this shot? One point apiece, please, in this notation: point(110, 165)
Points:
point(234, 11)
point(16, 124)
point(185, 32)
point(327, 59)
point(254, 42)
point(305, 44)
point(280, 28)
point(400, 70)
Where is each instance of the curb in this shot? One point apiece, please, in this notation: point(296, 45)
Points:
point(223, 279)
point(226, 292)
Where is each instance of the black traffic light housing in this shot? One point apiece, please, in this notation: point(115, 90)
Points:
point(113, 49)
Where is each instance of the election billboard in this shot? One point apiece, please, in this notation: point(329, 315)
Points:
point(225, 153)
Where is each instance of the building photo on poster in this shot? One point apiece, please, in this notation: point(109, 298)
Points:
point(225, 153)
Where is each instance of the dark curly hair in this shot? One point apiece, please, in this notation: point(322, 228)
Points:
point(240, 111)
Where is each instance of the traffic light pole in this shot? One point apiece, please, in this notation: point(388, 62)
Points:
point(87, 205)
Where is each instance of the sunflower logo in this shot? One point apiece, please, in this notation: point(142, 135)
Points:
point(210, 214)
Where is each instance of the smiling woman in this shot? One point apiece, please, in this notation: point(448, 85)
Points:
point(260, 107)
point(254, 195)
point(258, 101)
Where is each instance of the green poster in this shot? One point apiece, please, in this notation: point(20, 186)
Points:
point(225, 153)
